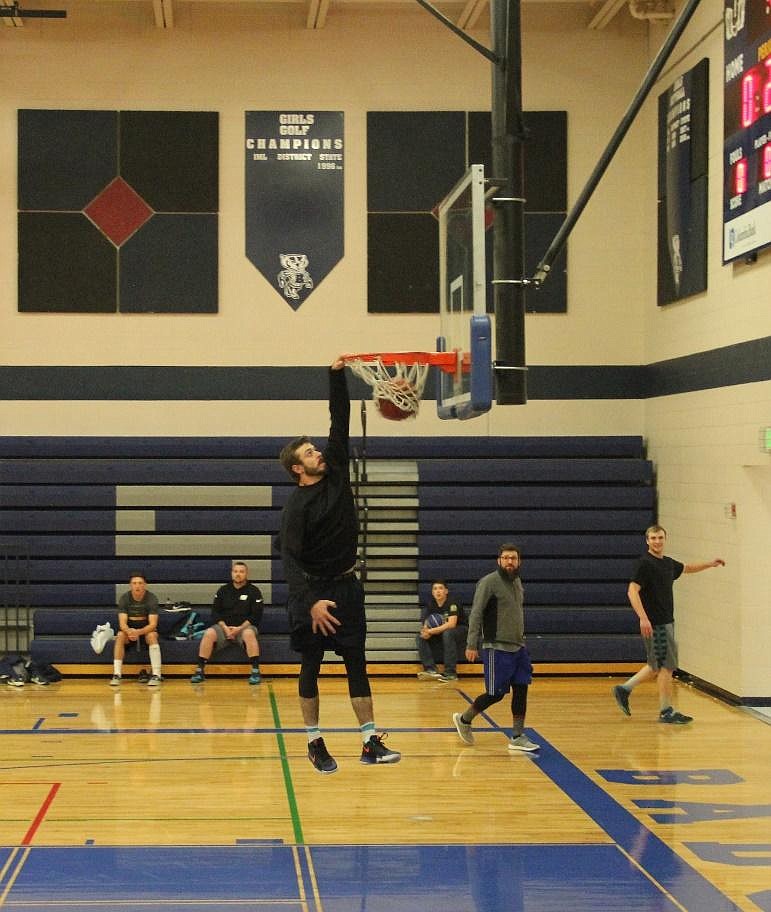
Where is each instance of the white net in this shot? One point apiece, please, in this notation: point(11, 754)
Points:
point(400, 384)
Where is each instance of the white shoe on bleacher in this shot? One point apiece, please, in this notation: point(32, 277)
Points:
point(101, 637)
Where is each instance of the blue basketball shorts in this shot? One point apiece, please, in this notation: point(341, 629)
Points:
point(504, 669)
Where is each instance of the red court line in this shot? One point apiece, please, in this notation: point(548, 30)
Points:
point(41, 814)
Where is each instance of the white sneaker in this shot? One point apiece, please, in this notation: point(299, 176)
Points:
point(154, 681)
point(115, 681)
point(523, 743)
point(464, 728)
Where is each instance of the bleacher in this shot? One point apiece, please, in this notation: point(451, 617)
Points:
point(80, 515)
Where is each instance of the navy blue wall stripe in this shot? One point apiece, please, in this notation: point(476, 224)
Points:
point(745, 362)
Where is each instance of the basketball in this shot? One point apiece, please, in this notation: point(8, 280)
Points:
point(434, 620)
point(389, 409)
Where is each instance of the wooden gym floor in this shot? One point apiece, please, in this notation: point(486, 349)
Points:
point(201, 798)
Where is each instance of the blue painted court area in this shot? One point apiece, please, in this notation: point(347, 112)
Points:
point(478, 878)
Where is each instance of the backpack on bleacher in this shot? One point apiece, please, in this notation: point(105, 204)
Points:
point(192, 629)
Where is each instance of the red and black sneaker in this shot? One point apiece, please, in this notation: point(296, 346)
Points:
point(320, 757)
point(374, 751)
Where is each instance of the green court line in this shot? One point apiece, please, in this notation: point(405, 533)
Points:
point(296, 825)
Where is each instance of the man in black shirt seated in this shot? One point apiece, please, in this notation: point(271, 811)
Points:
point(236, 615)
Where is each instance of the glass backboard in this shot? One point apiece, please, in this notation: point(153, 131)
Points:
point(464, 326)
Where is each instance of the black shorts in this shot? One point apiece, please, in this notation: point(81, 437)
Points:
point(348, 595)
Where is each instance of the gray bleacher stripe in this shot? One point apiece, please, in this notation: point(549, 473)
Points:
point(195, 593)
point(383, 641)
point(389, 615)
point(393, 526)
point(398, 469)
point(194, 496)
point(392, 551)
point(386, 574)
point(135, 520)
point(231, 546)
point(390, 502)
point(384, 598)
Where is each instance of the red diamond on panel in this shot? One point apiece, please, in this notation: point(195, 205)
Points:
point(118, 211)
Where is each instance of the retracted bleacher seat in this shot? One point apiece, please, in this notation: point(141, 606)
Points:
point(89, 512)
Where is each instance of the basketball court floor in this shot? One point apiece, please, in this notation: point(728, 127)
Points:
point(201, 798)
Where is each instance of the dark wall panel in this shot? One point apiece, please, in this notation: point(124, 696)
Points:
point(171, 158)
point(413, 158)
point(403, 257)
point(65, 265)
point(65, 157)
point(170, 266)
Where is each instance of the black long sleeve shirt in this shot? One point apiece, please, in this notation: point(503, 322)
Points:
point(319, 523)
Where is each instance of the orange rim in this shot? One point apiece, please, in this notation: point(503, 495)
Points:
point(446, 361)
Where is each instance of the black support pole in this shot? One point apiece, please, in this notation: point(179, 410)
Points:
point(508, 136)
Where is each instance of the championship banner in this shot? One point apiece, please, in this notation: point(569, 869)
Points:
point(294, 198)
point(683, 156)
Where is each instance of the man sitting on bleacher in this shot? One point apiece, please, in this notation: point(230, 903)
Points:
point(137, 617)
point(236, 615)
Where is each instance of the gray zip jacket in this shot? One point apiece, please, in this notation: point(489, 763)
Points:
point(497, 618)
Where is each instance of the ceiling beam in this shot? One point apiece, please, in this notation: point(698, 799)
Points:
point(317, 14)
point(606, 13)
point(470, 13)
point(163, 11)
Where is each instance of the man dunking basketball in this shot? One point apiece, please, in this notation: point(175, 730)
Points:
point(318, 542)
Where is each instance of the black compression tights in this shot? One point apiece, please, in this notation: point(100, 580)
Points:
point(518, 701)
point(356, 670)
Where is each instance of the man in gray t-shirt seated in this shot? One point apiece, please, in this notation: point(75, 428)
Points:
point(137, 617)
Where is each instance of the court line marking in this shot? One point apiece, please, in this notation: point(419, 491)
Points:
point(288, 785)
point(645, 873)
point(15, 872)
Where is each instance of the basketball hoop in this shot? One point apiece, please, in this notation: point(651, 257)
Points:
point(399, 378)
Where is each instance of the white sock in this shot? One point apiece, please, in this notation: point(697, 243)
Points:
point(155, 659)
point(117, 667)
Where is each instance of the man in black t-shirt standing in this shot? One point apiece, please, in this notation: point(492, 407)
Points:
point(650, 594)
point(319, 546)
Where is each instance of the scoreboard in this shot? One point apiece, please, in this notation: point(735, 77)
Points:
point(747, 128)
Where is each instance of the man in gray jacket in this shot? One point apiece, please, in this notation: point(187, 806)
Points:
point(497, 621)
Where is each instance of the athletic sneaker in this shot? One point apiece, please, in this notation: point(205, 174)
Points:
point(374, 751)
point(198, 677)
point(446, 678)
point(622, 698)
point(39, 679)
point(428, 674)
point(320, 757)
point(523, 743)
point(255, 677)
point(673, 717)
point(154, 681)
point(15, 681)
point(464, 728)
point(144, 676)
point(115, 681)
